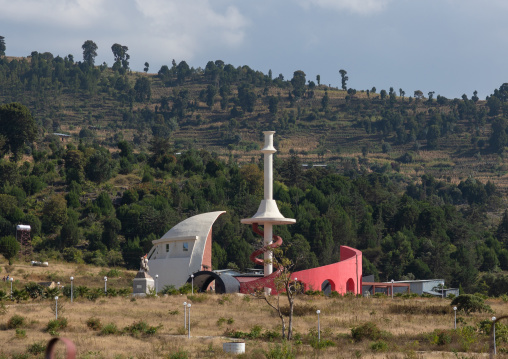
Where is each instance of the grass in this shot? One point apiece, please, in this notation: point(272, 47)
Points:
point(119, 327)
point(420, 324)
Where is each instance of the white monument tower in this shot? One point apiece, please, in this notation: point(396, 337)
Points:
point(268, 213)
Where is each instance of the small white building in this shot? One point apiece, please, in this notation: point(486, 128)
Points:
point(185, 249)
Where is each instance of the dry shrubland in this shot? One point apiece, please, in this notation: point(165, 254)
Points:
point(418, 327)
point(153, 327)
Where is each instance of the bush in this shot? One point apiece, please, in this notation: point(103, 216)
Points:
point(284, 351)
point(94, 323)
point(36, 348)
point(181, 354)
point(109, 329)
point(141, 327)
point(169, 290)
point(367, 330)
point(16, 321)
point(471, 303)
point(34, 290)
point(54, 325)
point(81, 291)
point(198, 298)
point(379, 346)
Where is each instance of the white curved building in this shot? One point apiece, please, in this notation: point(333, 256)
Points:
point(185, 249)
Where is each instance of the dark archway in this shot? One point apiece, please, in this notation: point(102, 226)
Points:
point(350, 285)
point(224, 283)
point(327, 287)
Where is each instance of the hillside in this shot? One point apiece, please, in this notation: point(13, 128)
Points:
point(116, 158)
point(224, 109)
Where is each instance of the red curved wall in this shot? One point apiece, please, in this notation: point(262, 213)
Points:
point(338, 274)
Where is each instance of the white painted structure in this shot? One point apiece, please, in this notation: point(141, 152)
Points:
point(185, 249)
point(268, 213)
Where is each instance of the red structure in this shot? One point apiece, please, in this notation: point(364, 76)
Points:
point(342, 277)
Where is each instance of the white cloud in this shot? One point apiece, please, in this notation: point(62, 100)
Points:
point(362, 7)
point(183, 28)
point(71, 13)
point(170, 28)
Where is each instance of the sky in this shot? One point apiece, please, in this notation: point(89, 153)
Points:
point(451, 47)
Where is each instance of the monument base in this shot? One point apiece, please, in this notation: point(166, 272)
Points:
point(143, 283)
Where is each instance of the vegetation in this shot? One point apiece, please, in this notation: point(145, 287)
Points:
point(415, 183)
point(355, 326)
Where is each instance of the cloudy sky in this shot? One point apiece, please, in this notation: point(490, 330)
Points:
point(451, 47)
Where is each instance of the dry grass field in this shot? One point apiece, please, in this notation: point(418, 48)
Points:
point(409, 327)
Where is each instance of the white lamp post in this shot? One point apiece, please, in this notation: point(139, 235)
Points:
point(192, 283)
point(56, 307)
point(72, 289)
point(392, 288)
point(156, 285)
point(494, 329)
point(455, 310)
point(11, 285)
point(105, 285)
point(188, 333)
point(318, 326)
point(185, 314)
point(296, 284)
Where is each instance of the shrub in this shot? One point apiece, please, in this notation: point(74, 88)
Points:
point(181, 354)
point(169, 290)
point(471, 303)
point(335, 294)
point(16, 321)
point(198, 298)
point(94, 323)
point(379, 346)
point(441, 337)
point(34, 290)
point(20, 333)
point(109, 329)
point(284, 351)
point(141, 327)
point(186, 289)
point(36, 348)
point(54, 325)
point(368, 330)
point(81, 291)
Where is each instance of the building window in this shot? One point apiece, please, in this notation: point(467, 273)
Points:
point(167, 247)
point(185, 246)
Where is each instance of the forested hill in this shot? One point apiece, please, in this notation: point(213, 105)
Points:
point(101, 161)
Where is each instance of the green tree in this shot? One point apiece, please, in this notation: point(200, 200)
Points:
point(89, 52)
point(147, 66)
point(9, 247)
point(17, 126)
point(2, 46)
point(298, 81)
point(432, 137)
point(143, 89)
point(211, 92)
point(69, 234)
point(54, 212)
point(344, 79)
point(99, 167)
point(318, 79)
point(247, 97)
point(273, 104)
point(121, 56)
point(494, 105)
point(498, 137)
point(325, 101)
